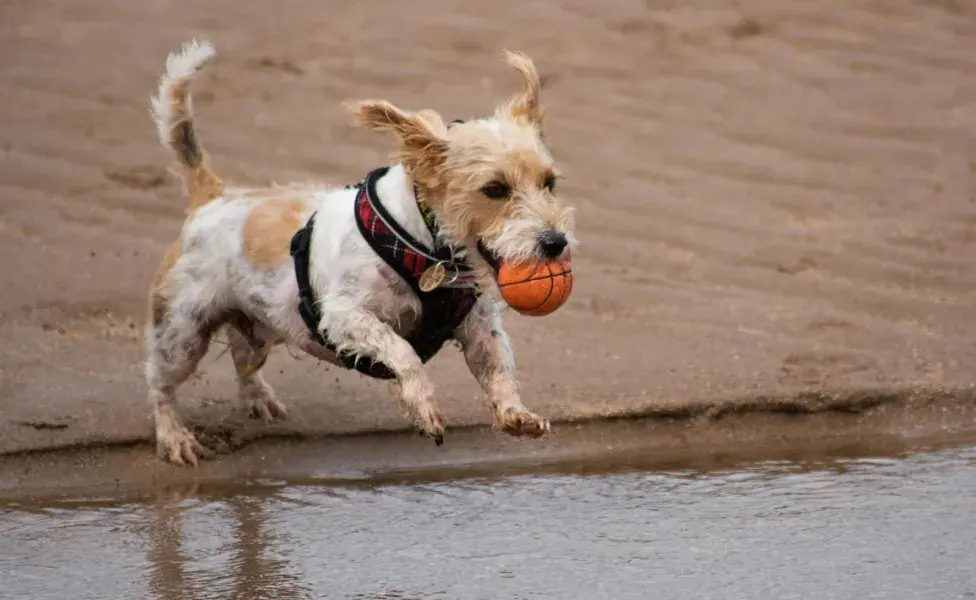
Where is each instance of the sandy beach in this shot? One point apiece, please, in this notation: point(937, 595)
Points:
point(775, 204)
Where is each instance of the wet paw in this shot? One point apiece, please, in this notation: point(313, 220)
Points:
point(430, 423)
point(262, 404)
point(521, 423)
point(178, 446)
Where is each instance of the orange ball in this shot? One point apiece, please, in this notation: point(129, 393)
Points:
point(536, 288)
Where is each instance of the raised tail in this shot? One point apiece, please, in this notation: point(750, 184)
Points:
point(172, 110)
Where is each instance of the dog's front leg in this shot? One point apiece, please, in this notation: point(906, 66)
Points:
point(362, 334)
point(489, 356)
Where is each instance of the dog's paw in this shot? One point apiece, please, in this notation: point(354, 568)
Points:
point(430, 423)
point(520, 422)
point(178, 446)
point(261, 403)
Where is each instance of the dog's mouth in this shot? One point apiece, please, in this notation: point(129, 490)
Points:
point(494, 261)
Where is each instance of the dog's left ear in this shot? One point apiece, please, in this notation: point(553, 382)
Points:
point(423, 144)
point(525, 105)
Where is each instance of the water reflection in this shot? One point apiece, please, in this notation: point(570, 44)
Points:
point(248, 570)
point(166, 577)
point(857, 528)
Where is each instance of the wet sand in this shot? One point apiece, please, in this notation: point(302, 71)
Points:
point(605, 446)
point(775, 202)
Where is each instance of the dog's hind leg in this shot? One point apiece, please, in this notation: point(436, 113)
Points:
point(176, 345)
point(250, 354)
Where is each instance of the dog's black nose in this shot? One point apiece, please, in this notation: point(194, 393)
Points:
point(552, 243)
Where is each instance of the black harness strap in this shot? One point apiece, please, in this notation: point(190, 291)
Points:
point(443, 309)
point(301, 244)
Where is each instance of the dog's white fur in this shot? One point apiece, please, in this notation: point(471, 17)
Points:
point(230, 267)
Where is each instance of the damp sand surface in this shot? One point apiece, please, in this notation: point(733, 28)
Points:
point(774, 198)
point(852, 523)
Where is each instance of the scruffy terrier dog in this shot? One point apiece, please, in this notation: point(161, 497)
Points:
point(374, 277)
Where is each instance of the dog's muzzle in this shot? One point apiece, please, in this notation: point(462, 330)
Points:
point(552, 243)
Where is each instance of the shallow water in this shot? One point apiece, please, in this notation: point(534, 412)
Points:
point(854, 528)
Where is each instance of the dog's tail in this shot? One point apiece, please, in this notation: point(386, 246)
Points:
point(172, 110)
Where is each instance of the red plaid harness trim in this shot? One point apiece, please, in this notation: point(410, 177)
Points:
point(443, 309)
point(380, 234)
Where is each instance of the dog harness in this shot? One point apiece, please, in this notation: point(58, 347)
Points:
point(443, 308)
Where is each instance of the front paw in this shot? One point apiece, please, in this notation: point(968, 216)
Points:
point(520, 422)
point(429, 422)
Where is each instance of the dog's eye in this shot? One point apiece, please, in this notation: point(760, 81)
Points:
point(497, 190)
point(550, 182)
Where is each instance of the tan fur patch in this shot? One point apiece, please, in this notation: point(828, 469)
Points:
point(158, 301)
point(203, 185)
point(269, 228)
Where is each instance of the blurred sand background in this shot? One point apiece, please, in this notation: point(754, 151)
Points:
point(775, 198)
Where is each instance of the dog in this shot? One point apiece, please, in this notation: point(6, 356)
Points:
point(375, 276)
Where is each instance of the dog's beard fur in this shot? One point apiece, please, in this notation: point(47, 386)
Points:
point(453, 166)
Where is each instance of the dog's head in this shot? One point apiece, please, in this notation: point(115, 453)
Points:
point(491, 181)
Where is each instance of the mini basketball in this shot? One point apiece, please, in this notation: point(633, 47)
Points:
point(537, 288)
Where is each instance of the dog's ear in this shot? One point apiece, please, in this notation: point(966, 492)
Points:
point(524, 106)
point(423, 145)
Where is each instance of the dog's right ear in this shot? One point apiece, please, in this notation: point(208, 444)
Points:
point(525, 105)
point(422, 143)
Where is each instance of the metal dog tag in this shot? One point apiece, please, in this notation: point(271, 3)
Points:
point(432, 277)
